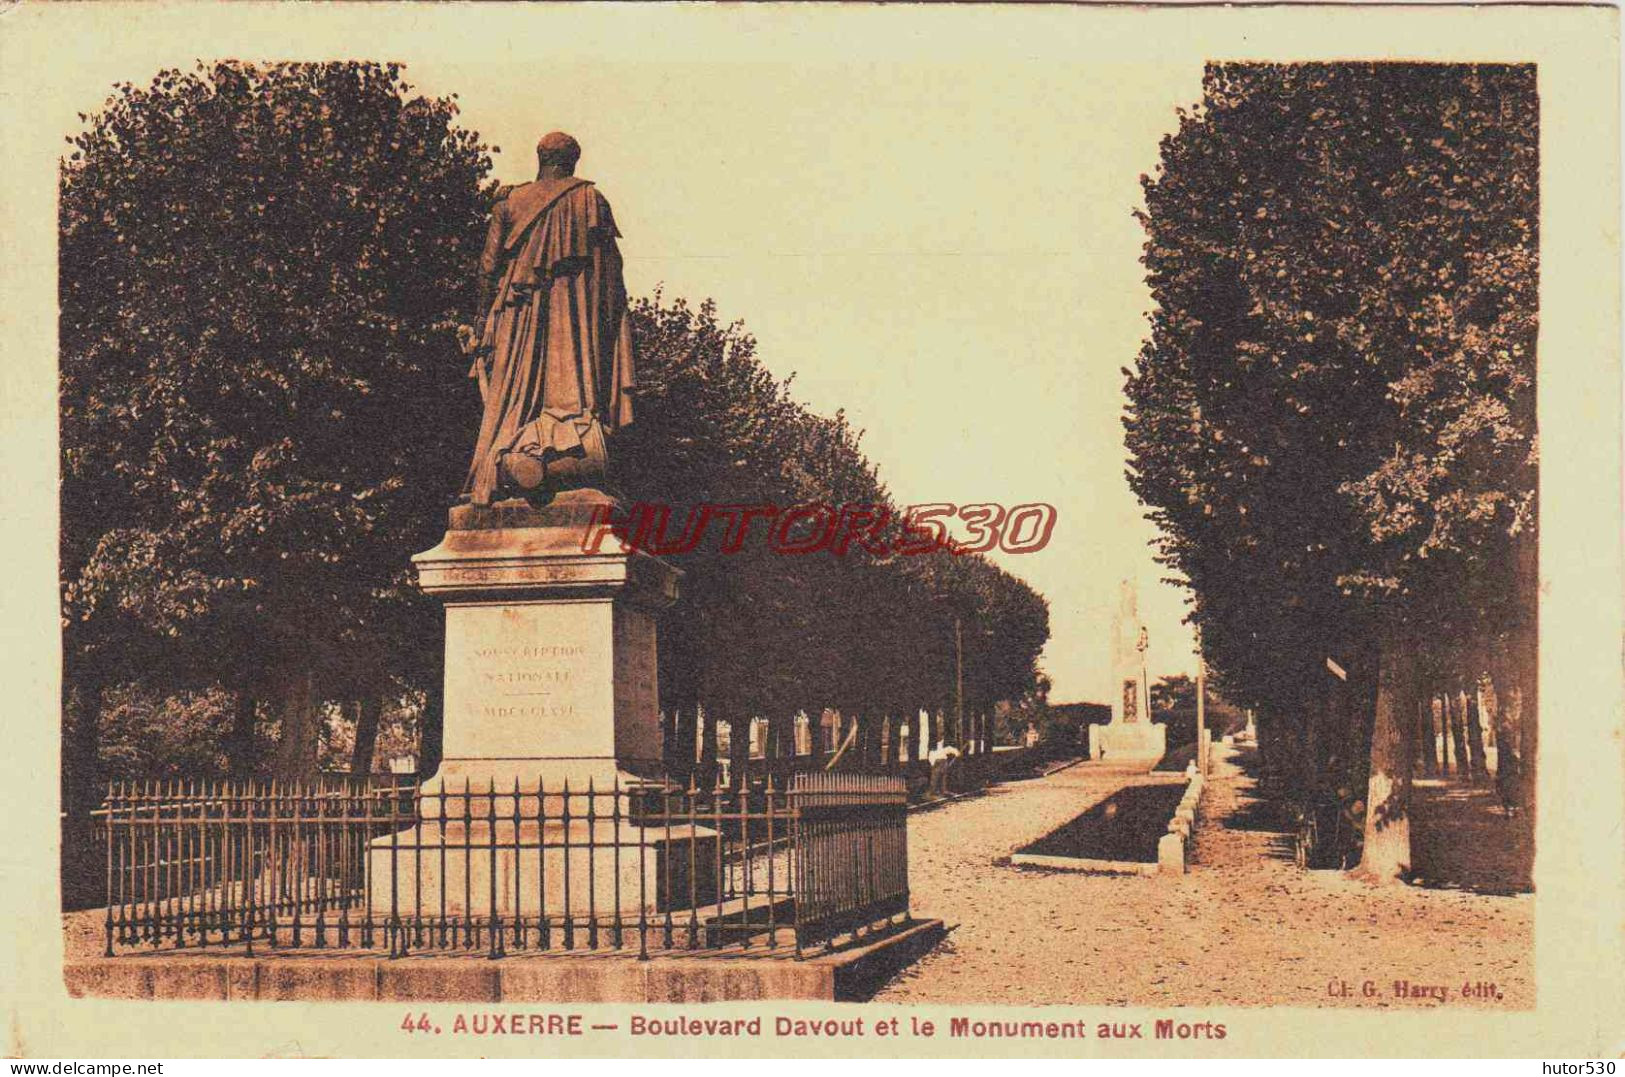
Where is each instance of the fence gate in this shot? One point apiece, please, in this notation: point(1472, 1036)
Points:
point(851, 841)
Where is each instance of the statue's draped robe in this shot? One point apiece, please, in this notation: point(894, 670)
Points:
point(556, 351)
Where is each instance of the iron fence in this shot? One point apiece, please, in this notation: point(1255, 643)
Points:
point(503, 867)
point(852, 846)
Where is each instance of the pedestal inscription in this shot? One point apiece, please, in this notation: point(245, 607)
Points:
point(529, 681)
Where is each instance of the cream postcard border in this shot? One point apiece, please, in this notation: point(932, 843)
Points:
point(1580, 865)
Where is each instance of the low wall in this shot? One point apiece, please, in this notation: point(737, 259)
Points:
point(1174, 849)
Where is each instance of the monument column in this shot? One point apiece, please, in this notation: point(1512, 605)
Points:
point(1131, 736)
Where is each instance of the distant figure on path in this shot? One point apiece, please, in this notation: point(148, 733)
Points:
point(553, 357)
point(941, 758)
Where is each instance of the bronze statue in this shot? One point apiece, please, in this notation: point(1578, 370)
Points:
point(554, 356)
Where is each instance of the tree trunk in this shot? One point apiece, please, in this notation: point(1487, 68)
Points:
point(1506, 732)
point(1458, 737)
point(432, 724)
point(706, 749)
point(739, 752)
point(1305, 759)
point(367, 712)
point(1475, 762)
point(1436, 703)
point(668, 738)
point(1475, 736)
point(1522, 659)
point(1264, 721)
point(781, 748)
point(84, 765)
point(1386, 856)
point(1272, 745)
point(241, 748)
point(1357, 699)
point(1487, 707)
point(81, 865)
point(1514, 740)
point(296, 749)
point(857, 756)
point(1529, 730)
point(1425, 737)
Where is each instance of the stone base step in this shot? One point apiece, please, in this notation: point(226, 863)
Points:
point(850, 973)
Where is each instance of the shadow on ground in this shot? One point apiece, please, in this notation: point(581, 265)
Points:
point(1124, 826)
point(1461, 839)
point(1257, 814)
point(1177, 758)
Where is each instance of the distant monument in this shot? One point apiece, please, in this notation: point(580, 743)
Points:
point(550, 650)
point(1131, 736)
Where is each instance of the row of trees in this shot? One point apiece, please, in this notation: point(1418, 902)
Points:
point(1173, 704)
point(1333, 418)
point(763, 634)
point(264, 413)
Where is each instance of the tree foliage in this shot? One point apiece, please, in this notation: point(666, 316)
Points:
point(763, 633)
point(260, 268)
point(264, 414)
point(1332, 420)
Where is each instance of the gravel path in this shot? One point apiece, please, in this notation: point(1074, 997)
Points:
point(1243, 928)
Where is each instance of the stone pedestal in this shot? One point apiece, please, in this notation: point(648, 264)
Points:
point(550, 650)
point(1128, 742)
point(550, 685)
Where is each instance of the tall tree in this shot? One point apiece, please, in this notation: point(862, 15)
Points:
point(1332, 419)
point(260, 386)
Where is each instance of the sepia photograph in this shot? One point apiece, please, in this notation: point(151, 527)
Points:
point(741, 543)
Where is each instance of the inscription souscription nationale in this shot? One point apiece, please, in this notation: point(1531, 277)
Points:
point(527, 675)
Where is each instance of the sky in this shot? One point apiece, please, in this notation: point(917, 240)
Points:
point(940, 241)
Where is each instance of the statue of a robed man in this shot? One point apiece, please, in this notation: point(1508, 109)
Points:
point(553, 357)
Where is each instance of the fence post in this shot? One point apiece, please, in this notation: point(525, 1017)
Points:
point(107, 884)
point(250, 880)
